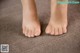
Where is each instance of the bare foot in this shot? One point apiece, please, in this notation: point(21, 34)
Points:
point(57, 27)
point(58, 21)
point(30, 25)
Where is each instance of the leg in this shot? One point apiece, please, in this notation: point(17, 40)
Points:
point(58, 21)
point(30, 25)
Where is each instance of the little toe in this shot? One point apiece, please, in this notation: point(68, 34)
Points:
point(26, 32)
point(64, 29)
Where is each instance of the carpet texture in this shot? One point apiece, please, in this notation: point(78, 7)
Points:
point(11, 30)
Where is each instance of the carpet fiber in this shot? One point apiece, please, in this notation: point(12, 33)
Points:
point(11, 31)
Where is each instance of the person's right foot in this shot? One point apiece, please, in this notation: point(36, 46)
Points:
point(30, 25)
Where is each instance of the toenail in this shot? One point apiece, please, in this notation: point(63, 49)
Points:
point(47, 31)
point(36, 35)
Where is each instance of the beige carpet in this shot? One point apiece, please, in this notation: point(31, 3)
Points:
point(11, 32)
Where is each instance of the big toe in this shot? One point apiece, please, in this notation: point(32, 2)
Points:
point(48, 30)
point(37, 32)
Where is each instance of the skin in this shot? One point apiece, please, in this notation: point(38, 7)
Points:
point(31, 26)
point(58, 20)
point(56, 26)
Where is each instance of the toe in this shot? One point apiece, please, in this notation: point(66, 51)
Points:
point(29, 33)
point(52, 31)
point(37, 32)
point(56, 31)
point(64, 29)
point(32, 33)
point(26, 32)
point(60, 30)
point(48, 30)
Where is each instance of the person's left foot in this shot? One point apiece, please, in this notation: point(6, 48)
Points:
point(58, 24)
